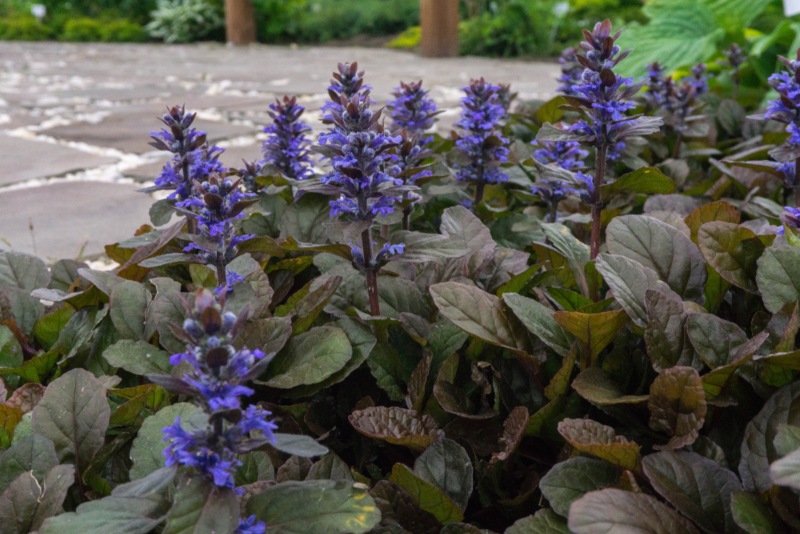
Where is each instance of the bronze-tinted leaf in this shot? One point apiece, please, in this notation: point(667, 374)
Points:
point(677, 405)
point(26, 397)
point(613, 510)
point(600, 440)
point(594, 330)
point(397, 426)
point(732, 251)
point(665, 334)
point(713, 211)
point(513, 431)
point(480, 314)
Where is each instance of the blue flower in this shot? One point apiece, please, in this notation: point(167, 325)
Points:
point(251, 525)
point(286, 147)
point(217, 377)
point(566, 154)
point(482, 111)
point(193, 159)
point(347, 83)
point(571, 71)
point(412, 110)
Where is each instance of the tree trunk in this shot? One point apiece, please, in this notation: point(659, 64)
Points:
point(240, 22)
point(439, 21)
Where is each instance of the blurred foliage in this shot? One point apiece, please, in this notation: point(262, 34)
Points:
point(314, 21)
point(184, 21)
point(20, 28)
point(410, 38)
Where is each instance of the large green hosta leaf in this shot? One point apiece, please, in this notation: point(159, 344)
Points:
point(679, 33)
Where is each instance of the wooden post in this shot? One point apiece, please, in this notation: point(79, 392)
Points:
point(240, 22)
point(439, 21)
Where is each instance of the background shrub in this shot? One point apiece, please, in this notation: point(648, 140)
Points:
point(23, 29)
point(183, 21)
point(122, 31)
point(82, 30)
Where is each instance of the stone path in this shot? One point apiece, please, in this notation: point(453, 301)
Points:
point(75, 121)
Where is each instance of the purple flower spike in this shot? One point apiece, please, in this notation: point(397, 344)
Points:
point(412, 110)
point(193, 159)
point(286, 147)
point(482, 111)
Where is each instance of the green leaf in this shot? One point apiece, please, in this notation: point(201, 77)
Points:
point(758, 451)
point(662, 248)
point(117, 514)
point(677, 405)
point(595, 330)
point(550, 111)
point(698, 487)
point(129, 302)
point(338, 506)
point(787, 439)
point(446, 465)
point(268, 335)
point(200, 507)
point(680, 33)
point(613, 510)
point(147, 450)
point(735, 15)
point(718, 210)
point(167, 309)
point(752, 515)
point(600, 440)
point(732, 251)
point(571, 479)
point(427, 496)
point(665, 336)
point(10, 349)
point(545, 521)
point(307, 219)
point(137, 357)
point(310, 358)
point(23, 271)
point(648, 180)
point(299, 445)
point(629, 281)
point(420, 247)
point(74, 414)
point(538, 319)
point(33, 453)
point(778, 277)
point(714, 339)
point(256, 466)
point(786, 471)
point(49, 326)
point(595, 386)
point(397, 426)
point(480, 314)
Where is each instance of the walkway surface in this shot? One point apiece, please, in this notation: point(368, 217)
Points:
point(75, 121)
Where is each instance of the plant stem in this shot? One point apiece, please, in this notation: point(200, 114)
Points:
point(371, 272)
point(597, 202)
point(553, 211)
point(406, 219)
point(796, 184)
point(481, 185)
point(676, 150)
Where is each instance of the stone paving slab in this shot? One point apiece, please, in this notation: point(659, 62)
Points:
point(128, 129)
point(25, 160)
point(71, 219)
point(109, 96)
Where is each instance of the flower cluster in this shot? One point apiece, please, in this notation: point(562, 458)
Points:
point(571, 71)
point(567, 155)
point(215, 204)
point(363, 160)
point(791, 219)
point(786, 108)
point(412, 110)
point(217, 377)
point(193, 159)
point(675, 101)
point(482, 110)
point(286, 146)
point(347, 83)
point(606, 96)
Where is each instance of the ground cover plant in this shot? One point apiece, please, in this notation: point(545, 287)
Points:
point(578, 315)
